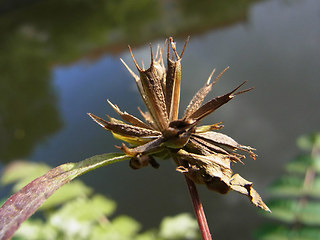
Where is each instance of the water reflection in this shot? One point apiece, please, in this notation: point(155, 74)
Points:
point(28, 111)
point(34, 38)
point(67, 59)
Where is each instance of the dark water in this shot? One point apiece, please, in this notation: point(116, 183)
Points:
point(56, 69)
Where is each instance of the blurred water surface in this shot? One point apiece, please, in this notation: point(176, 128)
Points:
point(54, 68)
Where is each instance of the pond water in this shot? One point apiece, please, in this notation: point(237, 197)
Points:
point(55, 71)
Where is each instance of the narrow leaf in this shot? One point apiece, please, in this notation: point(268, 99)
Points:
point(24, 203)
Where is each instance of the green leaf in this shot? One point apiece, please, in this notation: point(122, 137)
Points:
point(271, 232)
point(302, 163)
point(84, 210)
point(148, 235)
point(287, 186)
point(292, 211)
point(182, 226)
point(75, 219)
point(121, 228)
point(24, 203)
point(294, 186)
point(284, 209)
point(126, 225)
point(308, 142)
point(66, 193)
point(310, 213)
point(22, 173)
point(35, 230)
point(277, 232)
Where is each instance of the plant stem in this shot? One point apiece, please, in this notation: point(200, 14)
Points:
point(198, 210)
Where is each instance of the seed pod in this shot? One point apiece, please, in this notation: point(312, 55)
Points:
point(202, 154)
point(173, 80)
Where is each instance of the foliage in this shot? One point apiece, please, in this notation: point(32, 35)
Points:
point(80, 215)
point(203, 155)
point(24, 203)
point(296, 196)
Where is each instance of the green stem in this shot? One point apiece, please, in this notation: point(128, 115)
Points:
point(198, 210)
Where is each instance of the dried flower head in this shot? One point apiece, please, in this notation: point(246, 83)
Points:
point(200, 152)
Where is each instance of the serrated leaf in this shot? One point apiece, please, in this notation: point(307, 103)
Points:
point(148, 235)
point(182, 226)
point(284, 210)
point(302, 163)
point(310, 213)
point(126, 225)
point(314, 190)
point(294, 186)
point(291, 211)
point(287, 186)
point(65, 193)
point(271, 231)
point(36, 230)
point(103, 204)
point(19, 172)
point(24, 203)
point(121, 228)
point(309, 141)
point(83, 210)
point(277, 232)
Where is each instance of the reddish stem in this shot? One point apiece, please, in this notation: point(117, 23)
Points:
point(198, 210)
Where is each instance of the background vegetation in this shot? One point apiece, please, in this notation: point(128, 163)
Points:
point(296, 196)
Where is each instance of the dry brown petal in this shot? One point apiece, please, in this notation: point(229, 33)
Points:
point(241, 185)
point(206, 128)
point(197, 100)
point(124, 129)
point(223, 141)
point(128, 117)
point(218, 139)
point(201, 94)
point(219, 162)
point(209, 145)
point(215, 103)
point(159, 66)
point(212, 170)
point(137, 80)
point(173, 80)
point(197, 148)
point(151, 147)
point(151, 81)
point(148, 118)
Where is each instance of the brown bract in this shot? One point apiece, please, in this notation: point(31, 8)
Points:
point(200, 152)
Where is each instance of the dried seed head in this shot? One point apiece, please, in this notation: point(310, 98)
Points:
point(201, 153)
